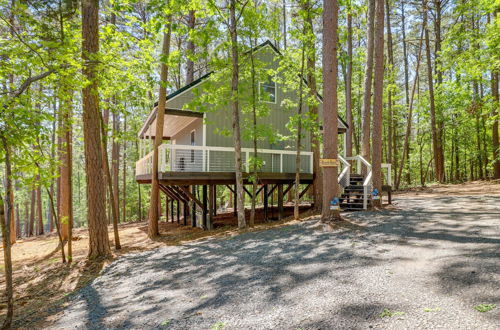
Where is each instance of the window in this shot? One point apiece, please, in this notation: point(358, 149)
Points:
point(192, 143)
point(267, 90)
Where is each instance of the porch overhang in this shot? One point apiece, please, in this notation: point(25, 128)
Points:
point(175, 120)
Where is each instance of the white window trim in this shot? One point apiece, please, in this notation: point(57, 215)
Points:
point(275, 93)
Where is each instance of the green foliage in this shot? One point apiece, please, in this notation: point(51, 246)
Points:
point(218, 326)
point(388, 313)
point(483, 308)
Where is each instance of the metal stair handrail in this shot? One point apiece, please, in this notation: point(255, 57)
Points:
point(368, 180)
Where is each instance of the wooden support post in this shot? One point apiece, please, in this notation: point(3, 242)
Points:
point(280, 201)
point(185, 212)
point(265, 203)
point(166, 208)
point(204, 220)
point(215, 200)
point(193, 211)
point(178, 211)
point(211, 204)
point(235, 196)
point(172, 210)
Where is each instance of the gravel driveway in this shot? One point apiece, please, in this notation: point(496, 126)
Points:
point(428, 263)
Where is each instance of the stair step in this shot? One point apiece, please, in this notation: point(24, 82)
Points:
point(354, 175)
point(350, 188)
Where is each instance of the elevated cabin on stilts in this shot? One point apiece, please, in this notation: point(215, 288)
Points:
point(197, 156)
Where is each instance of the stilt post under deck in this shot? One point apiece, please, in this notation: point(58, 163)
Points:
point(280, 201)
point(178, 211)
point(166, 208)
point(235, 202)
point(172, 210)
point(215, 199)
point(193, 211)
point(204, 211)
point(211, 208)
point(185, 212)
point(265, 203)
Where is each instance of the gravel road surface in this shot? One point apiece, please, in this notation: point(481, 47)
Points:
point(427, 263)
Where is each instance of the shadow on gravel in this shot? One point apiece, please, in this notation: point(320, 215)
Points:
point(262, 268)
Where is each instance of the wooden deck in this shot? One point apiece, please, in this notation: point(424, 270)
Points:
point(208, 178)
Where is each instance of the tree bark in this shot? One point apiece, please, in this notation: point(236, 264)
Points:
point(367, 94)
point(39, 209)
point(115, 163)
point(5, 224)
point(410, 106)
point(160, 118)
point(378, 99)
point(330, 106)
point(348, 86)
point(190, 48)
point(96, 214)
point(496, 144)
point(236, 114)
point(436, 145)
point(296, 210)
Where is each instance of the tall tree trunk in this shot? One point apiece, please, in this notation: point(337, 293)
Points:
point(296, 210)
point(251, 221)
point(348, 85)
point(5, 224)
point(496, 144)
point(160, 118)
point(96, 207)
point(313, 109)
point(378, 99)
point(115, 163)
point(39, 209)
point(410, 106)
point(236, 114)
point(32, 213)
point(390, 60)
point(436, 147)
point(124, 174)
point(190, 48)
point(330, 106)
point(66, 168)
point(367, 94)
point(284, 24)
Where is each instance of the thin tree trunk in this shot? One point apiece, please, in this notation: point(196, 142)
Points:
point(348, 87)
point(330, 107)
point(313, 110)
point(160, 118)
point(435, 139)
point(390, 57)
point(251, 221)
point(115, 163)
point(496, 144)
point(190, 48)
point(124, 174)
point(410, 106)
point(96, 207)
point(378, 99)
point(296, 210)
point(32, 213)
point(39, 209)
point(236, 114)
point(367, 94)
point(5, 224)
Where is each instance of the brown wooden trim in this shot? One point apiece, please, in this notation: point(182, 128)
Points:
point(288, 188)
point(190, 195)
point(305, 190)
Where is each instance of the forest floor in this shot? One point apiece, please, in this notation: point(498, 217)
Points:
point(424, 262)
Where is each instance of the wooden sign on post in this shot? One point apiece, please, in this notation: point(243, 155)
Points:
point(328, 162)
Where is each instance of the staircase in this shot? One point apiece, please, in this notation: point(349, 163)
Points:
point(352, 197)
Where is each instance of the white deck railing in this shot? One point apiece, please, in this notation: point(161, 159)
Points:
point(186, 158)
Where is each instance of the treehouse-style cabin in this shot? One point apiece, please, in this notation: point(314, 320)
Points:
point(199, 150)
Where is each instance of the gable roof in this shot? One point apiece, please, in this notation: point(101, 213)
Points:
point(201, 79)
